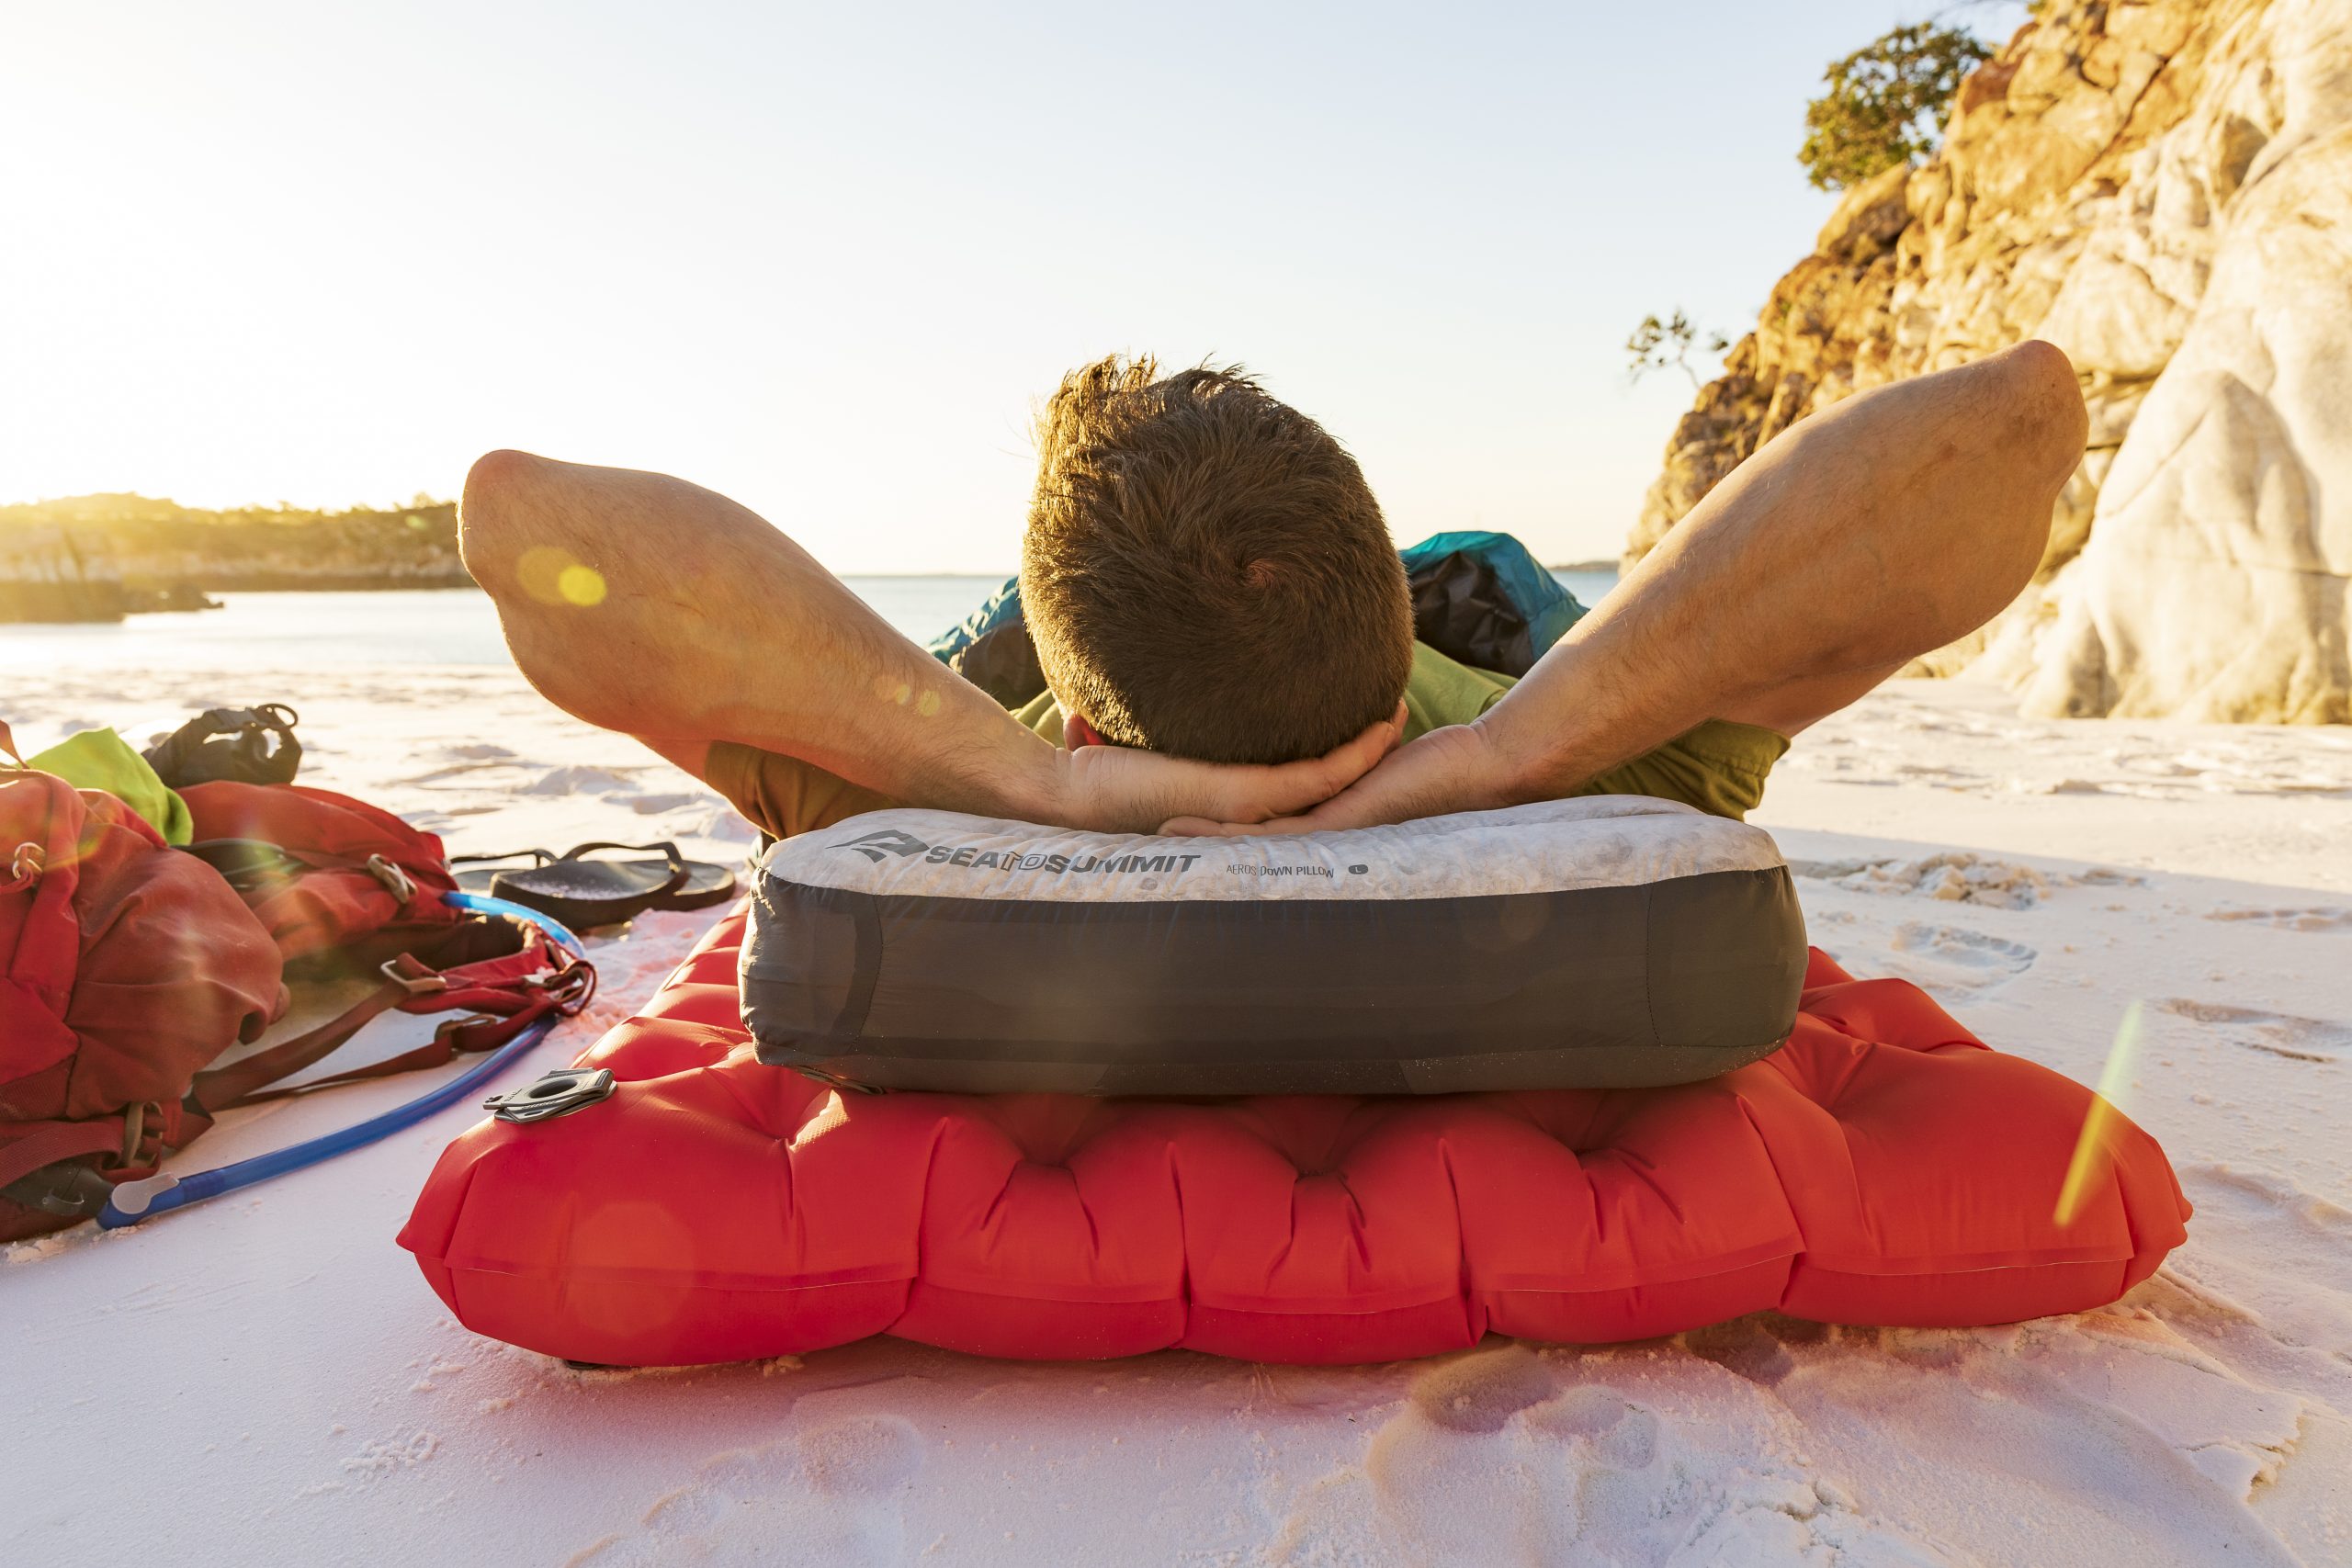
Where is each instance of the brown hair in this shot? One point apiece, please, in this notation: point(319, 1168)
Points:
point(1206, 573)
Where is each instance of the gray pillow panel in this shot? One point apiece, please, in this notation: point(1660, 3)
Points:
point(905, 969)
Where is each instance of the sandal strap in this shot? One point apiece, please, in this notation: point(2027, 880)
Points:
point(539, 857)
point(679, 872)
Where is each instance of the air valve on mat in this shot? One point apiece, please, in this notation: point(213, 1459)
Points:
point(558, 1094)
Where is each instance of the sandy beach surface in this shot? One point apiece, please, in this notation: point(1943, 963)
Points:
point(268, 1379)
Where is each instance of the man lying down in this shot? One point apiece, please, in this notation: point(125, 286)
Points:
point(1225, 631)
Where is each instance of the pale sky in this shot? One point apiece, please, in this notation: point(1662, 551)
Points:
point(826, 259)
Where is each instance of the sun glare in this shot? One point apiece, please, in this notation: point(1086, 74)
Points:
point(2093, 1150)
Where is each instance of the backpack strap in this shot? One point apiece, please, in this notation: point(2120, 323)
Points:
point(536, 857)
point(672, 863)
point(505, 973)
point(506, 993)
point(562, 993)
point(405, 977)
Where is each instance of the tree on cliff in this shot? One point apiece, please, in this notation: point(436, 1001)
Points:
point(1657, 345)
point(1885, 102)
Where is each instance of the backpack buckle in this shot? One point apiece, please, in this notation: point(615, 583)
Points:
point(558, 1094)
point(397, 883)
point(413, 977)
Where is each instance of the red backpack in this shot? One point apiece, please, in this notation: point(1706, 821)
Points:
point(128, 969)
point(349, 891)
point(325, 872)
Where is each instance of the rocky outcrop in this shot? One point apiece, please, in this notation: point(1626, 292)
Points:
point(99, 556)
point(47, 574)
point(2164, 191)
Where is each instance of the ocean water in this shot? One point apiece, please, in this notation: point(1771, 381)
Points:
point(396, 629)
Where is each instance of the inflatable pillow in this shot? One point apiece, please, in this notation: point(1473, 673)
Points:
point(1881, 1168)
point(1610, 942)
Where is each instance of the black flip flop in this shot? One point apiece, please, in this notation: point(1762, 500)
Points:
point(474, 872)
point(585, 892)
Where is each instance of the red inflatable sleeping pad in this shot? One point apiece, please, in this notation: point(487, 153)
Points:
point(1884, 1167)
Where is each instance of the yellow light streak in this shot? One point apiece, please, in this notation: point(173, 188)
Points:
point(2092, 1151)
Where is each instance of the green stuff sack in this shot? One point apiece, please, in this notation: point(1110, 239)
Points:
point(99, 759)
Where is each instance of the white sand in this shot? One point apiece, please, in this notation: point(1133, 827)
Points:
point(267, 1378)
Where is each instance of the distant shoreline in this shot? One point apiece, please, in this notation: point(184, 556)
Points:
point(329, 582)
point(112, 600)
point(101, 558)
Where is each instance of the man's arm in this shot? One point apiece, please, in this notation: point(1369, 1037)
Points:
point(1893, 523)
point(651, 606)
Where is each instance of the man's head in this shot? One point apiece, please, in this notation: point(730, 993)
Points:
point(1206, 573)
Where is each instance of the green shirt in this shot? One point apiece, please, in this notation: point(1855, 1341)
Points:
point(1720, 767)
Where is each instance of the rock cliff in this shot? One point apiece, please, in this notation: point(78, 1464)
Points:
point(2164, 191)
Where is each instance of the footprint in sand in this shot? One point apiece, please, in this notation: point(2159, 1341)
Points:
point(1956, 876)
point(2270, 1259)
point(860, 1454)
point(1504, 1456)
point(829, 1496)
point(617, 787)
point(1744, 1346)
point(1481, 1390)
point(654, 804)
point(2282, 1035)
point(721, 823)
point(1448, 1479)
point(1954, 957)
point(1623, 1436)
point(465, 759)
point(1649, 1492)
point(2322, 917)
point(577, 779)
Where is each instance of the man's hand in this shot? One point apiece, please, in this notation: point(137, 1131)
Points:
point(1453, 769)
point(1114, 788)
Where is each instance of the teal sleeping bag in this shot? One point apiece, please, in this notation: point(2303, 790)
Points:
point(1481, 599)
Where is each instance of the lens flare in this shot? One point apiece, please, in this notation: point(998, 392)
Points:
point(581, 585)
point(553, 575)
point(538, 570)
point(2093, 1154)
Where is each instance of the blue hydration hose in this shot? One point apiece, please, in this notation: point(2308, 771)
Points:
point(483, 904)
point(134, 1200)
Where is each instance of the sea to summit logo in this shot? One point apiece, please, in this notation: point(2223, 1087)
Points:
point(879, 847)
